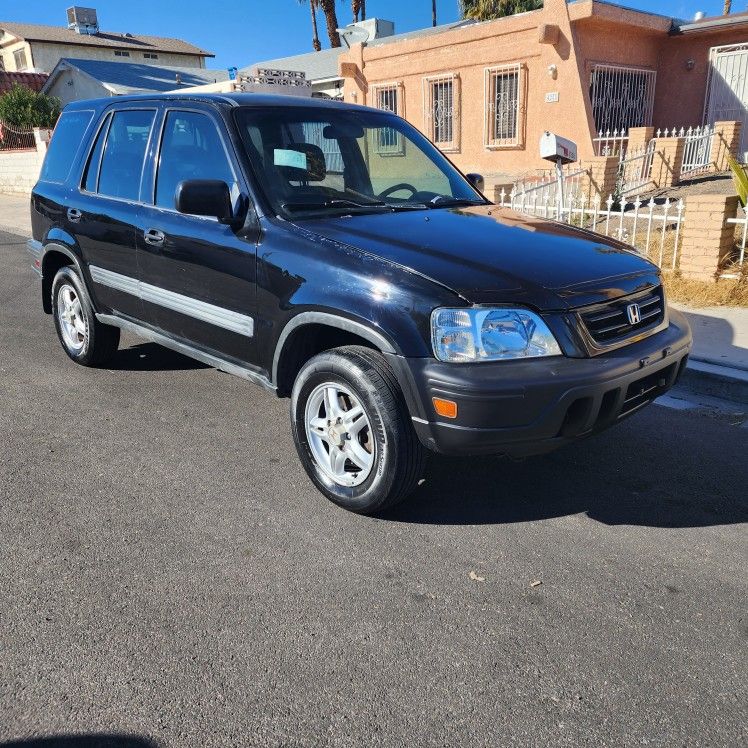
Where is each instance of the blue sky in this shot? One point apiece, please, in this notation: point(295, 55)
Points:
point(242, 32)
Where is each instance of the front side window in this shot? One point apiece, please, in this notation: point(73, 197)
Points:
point(191, 148)
point(124, 153)
point(503, 106)
point(312, 162)
point(442, 111)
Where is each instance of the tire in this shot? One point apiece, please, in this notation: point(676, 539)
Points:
point(365, 462)
point(85, 340)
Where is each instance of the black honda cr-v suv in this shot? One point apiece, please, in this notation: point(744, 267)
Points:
point(329, 252)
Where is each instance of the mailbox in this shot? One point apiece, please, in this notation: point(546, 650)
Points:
point(557, 149)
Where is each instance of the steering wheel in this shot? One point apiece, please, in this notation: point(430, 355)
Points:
point(397, 188)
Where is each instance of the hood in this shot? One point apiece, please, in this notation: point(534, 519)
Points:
point(488, 254)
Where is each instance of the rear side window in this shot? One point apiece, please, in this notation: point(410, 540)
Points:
point(64, 145)
point(124, 153)
point(191, 149)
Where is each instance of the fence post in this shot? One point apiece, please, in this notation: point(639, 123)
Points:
point(639, 138)
point(667, 161)
point(707, 237)
point(602, 172)
point(726, 140)
point(42, 137)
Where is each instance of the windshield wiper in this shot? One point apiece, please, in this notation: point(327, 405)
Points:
point(334, 203)
point(445, 201)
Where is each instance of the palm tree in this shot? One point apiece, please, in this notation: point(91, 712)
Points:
point(485, 10)
point(313, 5)
point(358, 7)
point(727, 8)
point(433, 12)
point(331, 17)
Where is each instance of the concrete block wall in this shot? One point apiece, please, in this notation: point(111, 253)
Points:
point(19, 170)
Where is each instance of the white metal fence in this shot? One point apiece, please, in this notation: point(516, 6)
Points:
point(543, 186)
point(611, 142)
point(697, 150)
point(635, 169)
point(739, 264)
point(654, 228)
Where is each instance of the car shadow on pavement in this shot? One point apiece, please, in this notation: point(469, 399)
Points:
point(634, 474)
point(83, 741)
point(152, 357)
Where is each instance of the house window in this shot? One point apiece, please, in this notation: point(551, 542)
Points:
point(441, 108)
point(504, 106)
point(621, 97)
point(20, 59)
point(388, 140)
point(121, 53)
point(150, 56)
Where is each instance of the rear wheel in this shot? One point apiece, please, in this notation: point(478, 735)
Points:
point(353, 432)
point(86, 340)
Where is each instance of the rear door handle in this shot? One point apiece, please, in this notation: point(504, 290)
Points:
point(74, 215)
point(154, 237)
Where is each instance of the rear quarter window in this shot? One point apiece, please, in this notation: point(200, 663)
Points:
point(63, 147)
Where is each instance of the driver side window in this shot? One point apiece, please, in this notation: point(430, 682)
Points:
point(191, 148)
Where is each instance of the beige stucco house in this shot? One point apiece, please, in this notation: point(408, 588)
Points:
point(36, 48)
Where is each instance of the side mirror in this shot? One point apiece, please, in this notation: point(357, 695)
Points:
point(477, 181)
point(205, 197)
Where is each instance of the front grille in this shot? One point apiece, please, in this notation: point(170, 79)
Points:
point(609, 323)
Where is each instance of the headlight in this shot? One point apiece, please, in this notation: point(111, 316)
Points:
point(484, 334)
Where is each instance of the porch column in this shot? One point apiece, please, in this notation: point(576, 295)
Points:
point(707, 238)
point(726, 140)
point(602, 172)
point(639, 137)
point(667, 161)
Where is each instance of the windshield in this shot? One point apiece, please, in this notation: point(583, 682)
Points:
point(314, 161)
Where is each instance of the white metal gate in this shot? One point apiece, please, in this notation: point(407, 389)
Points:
point(727, 90)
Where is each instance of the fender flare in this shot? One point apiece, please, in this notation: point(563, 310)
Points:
point(53, 246)
point(331, 320)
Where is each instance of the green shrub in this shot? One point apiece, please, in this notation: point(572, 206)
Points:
point(22, 107)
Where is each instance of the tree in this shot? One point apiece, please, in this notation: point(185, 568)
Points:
point(331, 17)
point(358, 8)
point(727, 8)
point(486, 10)
point(24, 108)
point(313, 5)
point(433, 12)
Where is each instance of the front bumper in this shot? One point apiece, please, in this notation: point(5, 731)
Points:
point(521, 408)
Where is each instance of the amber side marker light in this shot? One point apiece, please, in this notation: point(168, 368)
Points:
point(446, 408)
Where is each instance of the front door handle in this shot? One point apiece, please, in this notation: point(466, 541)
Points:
point(74, 215)
point(154, 237)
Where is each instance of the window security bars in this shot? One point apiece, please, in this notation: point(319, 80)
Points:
point(503, 106)
point(441, 108)
point(387, 98)
point(621, 97)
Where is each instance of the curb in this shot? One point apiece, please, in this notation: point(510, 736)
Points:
point(716, 380)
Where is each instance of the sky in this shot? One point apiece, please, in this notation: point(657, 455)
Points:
point(242, 32)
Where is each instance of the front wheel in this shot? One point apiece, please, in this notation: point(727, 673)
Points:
point(353, 432)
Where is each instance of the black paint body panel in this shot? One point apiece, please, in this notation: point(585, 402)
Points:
point(385, 271)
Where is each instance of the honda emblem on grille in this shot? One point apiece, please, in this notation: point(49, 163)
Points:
point(634, 313)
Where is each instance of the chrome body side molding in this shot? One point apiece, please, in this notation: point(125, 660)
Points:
point(200, 310)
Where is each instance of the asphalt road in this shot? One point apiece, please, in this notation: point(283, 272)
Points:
point(167, 571)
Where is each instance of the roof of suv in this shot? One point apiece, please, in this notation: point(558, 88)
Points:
point(230, 99)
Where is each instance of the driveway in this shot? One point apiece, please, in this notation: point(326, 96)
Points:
point(169, 573)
